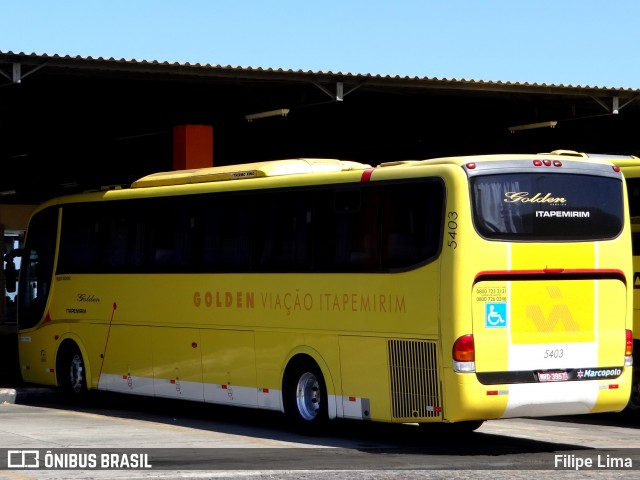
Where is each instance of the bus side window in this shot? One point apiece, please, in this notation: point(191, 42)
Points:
point(633, 193)
point(355, 230)
point(36, 272)
point(226, 226)
point(635, 243)
point(78, 241)
point(283, 232)
point(116, 250)
point(169, 230)
point(411, 221)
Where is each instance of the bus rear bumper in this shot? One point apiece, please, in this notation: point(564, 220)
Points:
point(471, 400)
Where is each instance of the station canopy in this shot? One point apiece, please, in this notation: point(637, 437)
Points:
point(71, 124)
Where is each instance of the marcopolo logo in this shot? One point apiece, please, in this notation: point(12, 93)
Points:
point(593, 373)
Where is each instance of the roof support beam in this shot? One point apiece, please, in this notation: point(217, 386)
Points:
point(16, 75)
point(615, 104)
point(340, 93)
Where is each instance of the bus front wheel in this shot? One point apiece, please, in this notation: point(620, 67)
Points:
point(305, 398)
point(72, 378)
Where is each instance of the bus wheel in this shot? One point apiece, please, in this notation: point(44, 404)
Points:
point(305, 398)
point(71, 370)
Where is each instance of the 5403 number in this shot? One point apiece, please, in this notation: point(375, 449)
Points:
point(452, 229)
point(553, 353)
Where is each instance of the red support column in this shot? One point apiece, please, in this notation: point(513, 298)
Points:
point(192, 146)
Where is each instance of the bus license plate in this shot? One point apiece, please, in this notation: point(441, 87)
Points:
point(552, 376)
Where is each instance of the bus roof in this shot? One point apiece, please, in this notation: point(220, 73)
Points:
point(463, 160)
point(617, 159)
point(248, 170)
point(276, 168)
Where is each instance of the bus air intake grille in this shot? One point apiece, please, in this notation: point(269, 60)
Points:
point(415, 386)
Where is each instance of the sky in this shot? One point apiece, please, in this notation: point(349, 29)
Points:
point(563, 42)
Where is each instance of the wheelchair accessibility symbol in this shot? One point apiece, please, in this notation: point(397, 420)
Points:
point(495, 315)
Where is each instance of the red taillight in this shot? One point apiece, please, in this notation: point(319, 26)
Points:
point(616, 168)
point(471, 165)
point(628, 349)
point(557, 163)
point(537, 163)
point(464, 349)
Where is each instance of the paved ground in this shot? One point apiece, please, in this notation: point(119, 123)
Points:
point(194, 440)
point(205, 441)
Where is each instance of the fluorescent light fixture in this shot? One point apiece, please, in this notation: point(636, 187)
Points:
point(531, 126)
point(281, 112)
point(6, 193)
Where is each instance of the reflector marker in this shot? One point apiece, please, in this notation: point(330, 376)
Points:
point(497, 392)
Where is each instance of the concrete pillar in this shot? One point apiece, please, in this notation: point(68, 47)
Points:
point(192, 147)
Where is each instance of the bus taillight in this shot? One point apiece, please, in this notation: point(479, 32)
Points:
point(628, 349)
point(464, 354)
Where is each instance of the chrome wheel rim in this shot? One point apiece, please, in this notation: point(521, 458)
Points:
point(308, 396)
point(76, 373)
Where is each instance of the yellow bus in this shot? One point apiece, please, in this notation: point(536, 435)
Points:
point(450, 290)
point(630, 166)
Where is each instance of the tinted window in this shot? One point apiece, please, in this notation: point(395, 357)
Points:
point(226, 233)
point(633, 192)
point(547, 207)
point(36, 269)
point(378, 227)
point(350, 228)
point(282, 231)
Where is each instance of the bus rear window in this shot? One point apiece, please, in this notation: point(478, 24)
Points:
point(553, 207)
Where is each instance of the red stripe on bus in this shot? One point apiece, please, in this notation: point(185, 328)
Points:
point(366, 175)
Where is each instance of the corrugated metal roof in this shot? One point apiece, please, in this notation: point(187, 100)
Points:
point(206, 69)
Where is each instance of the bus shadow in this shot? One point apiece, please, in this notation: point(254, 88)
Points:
point(626, 419)
point(380, 438)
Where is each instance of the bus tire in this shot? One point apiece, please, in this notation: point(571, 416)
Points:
point(305, 398)
point(71, 371)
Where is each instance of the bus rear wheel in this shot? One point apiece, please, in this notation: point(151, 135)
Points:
point(72, 378)
point(305, 398)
